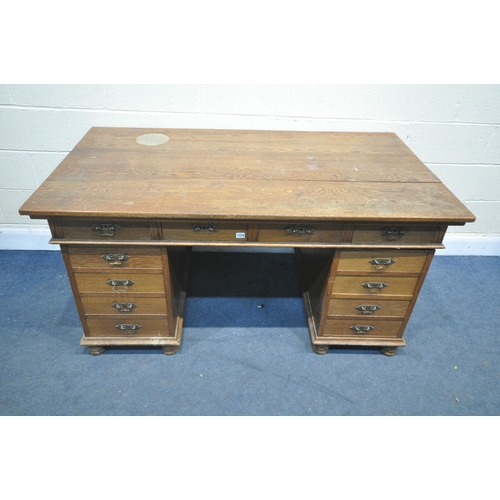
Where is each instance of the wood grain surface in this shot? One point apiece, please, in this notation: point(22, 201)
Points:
point(253, 175)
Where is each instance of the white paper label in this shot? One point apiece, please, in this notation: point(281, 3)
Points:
point(240, 235)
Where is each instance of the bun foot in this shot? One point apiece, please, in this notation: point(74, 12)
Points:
point(320, 349)
point(95, 350)
point(389, 351)
point(170, 349)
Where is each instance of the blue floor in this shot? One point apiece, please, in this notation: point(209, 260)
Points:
point(246, 347)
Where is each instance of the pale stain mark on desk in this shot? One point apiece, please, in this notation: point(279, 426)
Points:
point(152, 139)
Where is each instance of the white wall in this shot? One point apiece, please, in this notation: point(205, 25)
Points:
point(453, 129)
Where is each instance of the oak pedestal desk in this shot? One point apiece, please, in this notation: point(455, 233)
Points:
point(362, 212)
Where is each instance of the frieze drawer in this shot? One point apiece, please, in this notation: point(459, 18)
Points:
point(108, 230)
point(389, 234)
point(236, 232)
point(299, 233)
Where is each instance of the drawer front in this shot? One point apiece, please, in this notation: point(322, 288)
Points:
point(296, 232)
point(362, 329)
point(205, 231)
point(372, 286)
point(120, 282)
point(395, 234)
point(128, 328)
point(131, 306)
point(391, 261)
point(368, 308)
point(117, 257)
point(108, 230)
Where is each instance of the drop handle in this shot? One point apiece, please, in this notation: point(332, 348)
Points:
point(300, 229)
point(128, 328)
point(124, 283)
point(115, 259)
point(105, 228)
point(205, 227)
point(394, 233)
point(374, 286)
point(367, 309)
point(362, 329)
point(381, 263)
point(124, 307)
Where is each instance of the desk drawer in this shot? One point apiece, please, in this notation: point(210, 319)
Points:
point(205, 231)
point(120, 282)
point(362, 329)
point(388, 261)
point(368, 308)
point(296, 232)
point(373, 286)
point(122, 257)
point(108, 230)
point(128, 328)
point(391, 234)
point(128, 307)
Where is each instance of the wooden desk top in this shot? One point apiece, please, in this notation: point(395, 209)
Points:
point(252, 175)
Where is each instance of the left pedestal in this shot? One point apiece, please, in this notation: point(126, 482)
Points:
point(128, 295)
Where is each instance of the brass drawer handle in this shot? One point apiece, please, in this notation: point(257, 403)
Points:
point(105, 228)
point(374, 286)
point(128, 328)
point(125, 307)
point(115, 259)
point(205, 228)
point(366, 309)
point(381, 263)
point(300, 229)
point(124, 283)
point(394, 233)
point(362, 328)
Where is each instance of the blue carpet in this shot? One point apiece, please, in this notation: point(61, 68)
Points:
point(246, 347)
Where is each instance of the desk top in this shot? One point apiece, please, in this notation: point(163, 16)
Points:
point(252, 175)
